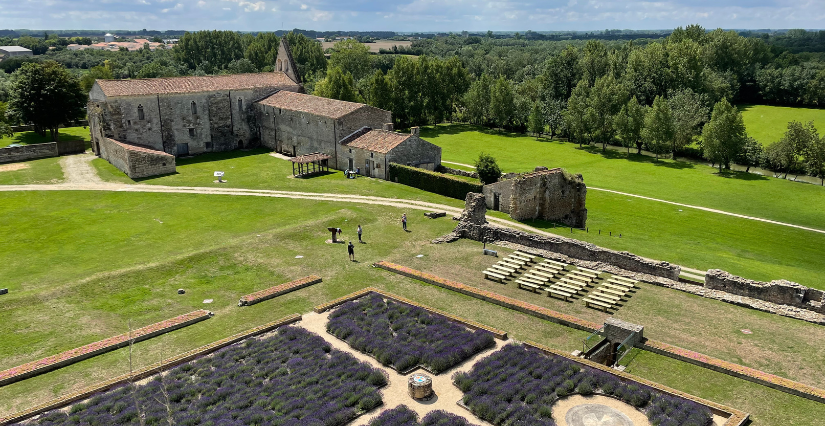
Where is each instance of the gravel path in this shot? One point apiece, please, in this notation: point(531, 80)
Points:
point(77, 170)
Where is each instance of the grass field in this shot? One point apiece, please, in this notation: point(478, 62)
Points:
point(374, 47)
point(106, 258)
point(768, 124)
point(44, 170)
point(693, 238)
point(678, 181)
point(30, 138)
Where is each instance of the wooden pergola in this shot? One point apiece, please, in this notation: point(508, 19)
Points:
point(310, 163)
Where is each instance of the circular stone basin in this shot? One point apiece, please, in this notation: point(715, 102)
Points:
point(596, 415)
point(420, 386)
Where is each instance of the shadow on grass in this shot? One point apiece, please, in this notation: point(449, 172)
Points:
point(219, 156)
point(32, 138)
point(733, 174)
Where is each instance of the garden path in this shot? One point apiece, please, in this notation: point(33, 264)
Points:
point(78, 170)
point(395, 393)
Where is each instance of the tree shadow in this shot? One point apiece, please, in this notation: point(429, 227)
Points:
point(33, 138)
point(219, 156)
point(735, 174)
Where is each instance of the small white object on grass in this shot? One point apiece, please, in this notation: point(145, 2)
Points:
point(420, 255)
point(158, 220)
point(680, 209)
point(299, 257)
point(207, 300)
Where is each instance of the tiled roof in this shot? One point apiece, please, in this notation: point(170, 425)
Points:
point(324, 107)
point(138, 148)
point(153, 86)
point(381, 141)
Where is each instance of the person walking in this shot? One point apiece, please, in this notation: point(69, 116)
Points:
point(351, 251)
point(359, 234)
point(404, 221)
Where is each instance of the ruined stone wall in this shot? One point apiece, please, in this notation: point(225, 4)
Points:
point(473, 225)
point(781, 292)
point(135, 161)
point(115, 154)
point(503, 190)
point(552, 195)
point(28, 152)
point(457, 172)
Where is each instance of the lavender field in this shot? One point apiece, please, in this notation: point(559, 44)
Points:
point(517, 385)
point(403, 416)
point(290, 378)
point(404, 336)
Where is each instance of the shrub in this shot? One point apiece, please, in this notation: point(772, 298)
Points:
point(487, 169)
point(446, 185)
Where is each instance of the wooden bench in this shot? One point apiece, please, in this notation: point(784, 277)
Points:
point(514, 261)
point(540, 273)
point(566, 287)
point(572, 283)
point(623, 289)
point(529, 285)
point(572, 278)
point(618, 293)
point(607, 298)
point(534, 277)
point(590, 302)
point(630, 284)
point(508, 264)
point(554, 292)
point(503, 269)
point(553, 268)
point(533, 280)
point(532, 257)
point(491, 275)
point(521, 258)
point(594, 272)
point(579, 272)
point(554, 263)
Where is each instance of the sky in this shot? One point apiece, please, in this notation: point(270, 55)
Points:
point(409, 15)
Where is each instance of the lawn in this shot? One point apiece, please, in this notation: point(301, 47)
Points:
point(44, 170)
point(30, 138)
point(768, 124)
point(102, 260)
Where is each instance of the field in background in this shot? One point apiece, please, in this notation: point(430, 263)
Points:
point(30, 138)
point(768, 124)
point(374, 47)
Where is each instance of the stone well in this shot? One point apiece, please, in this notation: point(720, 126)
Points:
point(420, 386)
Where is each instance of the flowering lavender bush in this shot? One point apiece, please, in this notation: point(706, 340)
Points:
point(291, 378)
point(517, 384)
point(405, 336)
point(403, 416)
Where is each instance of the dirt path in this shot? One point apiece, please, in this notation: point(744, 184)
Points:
point(78, 170)
point(395, 393)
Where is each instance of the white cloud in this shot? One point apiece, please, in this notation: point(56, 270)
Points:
point(177, 7)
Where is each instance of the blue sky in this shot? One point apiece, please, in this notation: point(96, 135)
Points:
point(409, 15)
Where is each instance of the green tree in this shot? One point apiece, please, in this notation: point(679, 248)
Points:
point(337, 85)
point(658, 131)
point(46, 95)
point(536, 120)
point(607, 96)
point(487, 169)
point(352, 57)
point(307, 53)
point(262, 51)
point(753, 154)
point(594, 61)
point(561, 74)
point(502, 103)
point(100, 72)
point(5, 127)
point(629, 122)
point(647, 74)
point(454, 81)
point(477, 100)
point(554, 115)
point(575, 116)
point(815, 159)
point(795, 144)
point(689, 112)
point(380, 92)
point(216, 48)
point(724, 136)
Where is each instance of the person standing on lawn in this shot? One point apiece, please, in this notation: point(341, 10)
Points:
point(351, 251)
point(359, 234)
point(404, 221)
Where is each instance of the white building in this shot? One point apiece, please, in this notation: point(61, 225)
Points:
point(9, 51)
point(108, 38)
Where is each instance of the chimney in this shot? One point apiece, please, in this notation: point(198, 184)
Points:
point(415, 131)
point(388, 127)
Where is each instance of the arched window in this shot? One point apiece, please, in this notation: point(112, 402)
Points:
point(240, 105)
point(140, 112)
point(194, 108)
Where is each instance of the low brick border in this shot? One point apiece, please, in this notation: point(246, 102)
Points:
point(495, 298)
point(147, 371)
point(54, 362)
point(735, 417)
point(498, 334)
point(661, 348)
point(740, 371)
point(260, 296)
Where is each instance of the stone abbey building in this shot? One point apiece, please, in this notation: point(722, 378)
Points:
point(142, 125)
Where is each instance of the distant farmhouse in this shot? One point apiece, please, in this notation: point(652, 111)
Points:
point(12, 51)
point(142, 125)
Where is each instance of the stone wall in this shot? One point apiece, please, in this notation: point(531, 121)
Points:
point(71, 147)
point(473, 225)
point(552, 195)
point(28, 152)
point(457, 172)
point(416, 152)
point(136, 161)
point(781, 292)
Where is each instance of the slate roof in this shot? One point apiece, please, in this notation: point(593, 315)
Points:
point(317, 105)
point(381, 141)
point(170, 85)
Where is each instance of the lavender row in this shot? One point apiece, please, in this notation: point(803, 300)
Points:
point(290, 378)
point(404, 336)
point(403, 416)
point(517, 384)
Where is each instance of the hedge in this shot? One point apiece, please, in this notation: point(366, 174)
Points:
point(437, 183)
